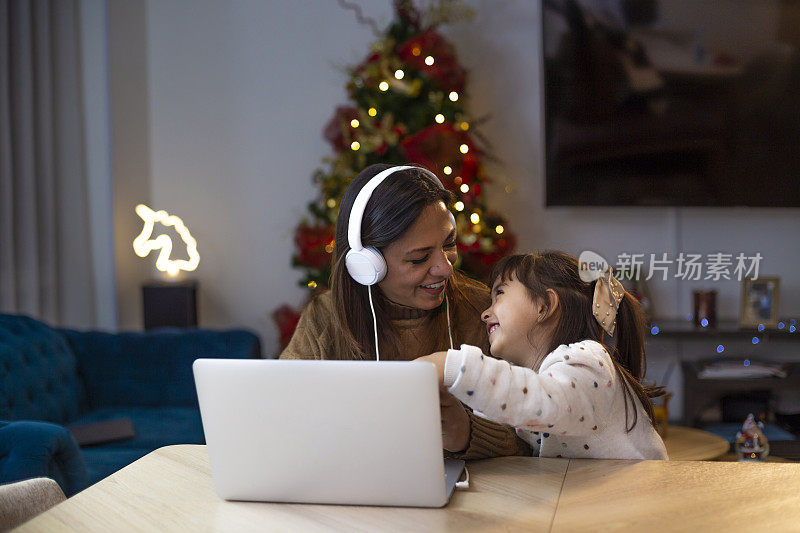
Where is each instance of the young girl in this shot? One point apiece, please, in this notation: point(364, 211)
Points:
point(568, 393)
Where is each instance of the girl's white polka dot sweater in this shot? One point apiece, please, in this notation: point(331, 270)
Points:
point(574, 406)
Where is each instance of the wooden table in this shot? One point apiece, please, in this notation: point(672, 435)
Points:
point(170, 490)
point(692, 444)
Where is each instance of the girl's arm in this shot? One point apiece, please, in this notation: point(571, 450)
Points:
point(486, 437)
point(571, 394)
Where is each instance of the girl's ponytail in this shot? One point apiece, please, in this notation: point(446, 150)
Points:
point(629, 356)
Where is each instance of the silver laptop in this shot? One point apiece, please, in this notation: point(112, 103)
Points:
point(340, 432)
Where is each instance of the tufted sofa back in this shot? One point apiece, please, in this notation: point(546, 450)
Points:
point(38, 375)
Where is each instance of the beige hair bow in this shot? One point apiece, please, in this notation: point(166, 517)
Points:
point(608, 293)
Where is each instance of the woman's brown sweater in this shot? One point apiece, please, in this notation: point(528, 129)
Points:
point(314, 339)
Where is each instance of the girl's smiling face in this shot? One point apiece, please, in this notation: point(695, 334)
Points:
point(421, 260)
point(510, 320)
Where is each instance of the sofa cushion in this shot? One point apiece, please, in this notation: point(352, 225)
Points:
point(152, 368)
point(38, 376)
point(154, 427)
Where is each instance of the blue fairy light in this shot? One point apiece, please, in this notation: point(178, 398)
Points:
point(755, 340)
point(792, 328)
point(747, 362)
point(761, 327)
point(781, 325)
point(654, 330)
point(704, 322)
point(689, 317)
point(720, 348)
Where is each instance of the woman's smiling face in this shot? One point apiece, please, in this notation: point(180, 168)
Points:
point(421, 260)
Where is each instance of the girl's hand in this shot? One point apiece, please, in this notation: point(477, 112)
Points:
point(438, 359)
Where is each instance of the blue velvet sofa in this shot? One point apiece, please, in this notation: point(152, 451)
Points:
point(51, 378)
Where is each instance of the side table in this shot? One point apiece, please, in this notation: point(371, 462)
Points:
point(690, 444)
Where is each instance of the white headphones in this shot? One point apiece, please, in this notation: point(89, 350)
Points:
point(367, 265)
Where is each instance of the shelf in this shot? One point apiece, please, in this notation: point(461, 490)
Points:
point(684, 329)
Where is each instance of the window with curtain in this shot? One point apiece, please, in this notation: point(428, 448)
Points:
point(49, 174)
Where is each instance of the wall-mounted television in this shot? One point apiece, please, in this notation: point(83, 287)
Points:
point(672, 102)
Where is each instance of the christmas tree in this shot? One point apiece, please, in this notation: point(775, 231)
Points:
point(408, 106)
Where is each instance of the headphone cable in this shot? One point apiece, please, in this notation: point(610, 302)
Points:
point(375, 323)
point(449, 331)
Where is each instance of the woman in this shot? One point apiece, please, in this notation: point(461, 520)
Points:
point(420, 306)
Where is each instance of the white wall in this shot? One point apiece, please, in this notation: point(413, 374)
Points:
point(238, 93)
point(235, 96)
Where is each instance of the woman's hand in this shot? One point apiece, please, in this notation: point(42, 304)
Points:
point(455, 419)
point(438, 359)
point(455, 422)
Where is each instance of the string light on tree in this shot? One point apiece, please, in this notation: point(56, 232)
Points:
point(465, 188)
point(355, 145)
point(416, 51)
point(399, 74)
point(372, 111)
point(429, 60)
point(464, 148)
point(464, 126)
point(331, 203)
point(453, 96)
point(499, 229)
point(383, 86)
point(354, 123)
point(475, 218)
point(459, 206)
point(312, 284)
point(447, 170)
point(439, 118)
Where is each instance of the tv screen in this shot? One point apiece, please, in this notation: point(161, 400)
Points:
point(672, 102)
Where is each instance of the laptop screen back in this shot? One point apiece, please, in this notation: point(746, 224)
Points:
point(346, 432)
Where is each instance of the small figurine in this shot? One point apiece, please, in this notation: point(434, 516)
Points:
point(751, 444)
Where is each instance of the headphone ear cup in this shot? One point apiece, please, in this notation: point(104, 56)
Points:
point(366, 266)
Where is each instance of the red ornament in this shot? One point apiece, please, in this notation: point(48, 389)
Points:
point(446, 70)
point(311, 244)
point(438, 146)
point(286, 319)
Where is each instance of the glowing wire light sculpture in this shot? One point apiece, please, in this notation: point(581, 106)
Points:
point(144, 244)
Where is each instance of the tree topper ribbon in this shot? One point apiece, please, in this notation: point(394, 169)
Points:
point(608, 293)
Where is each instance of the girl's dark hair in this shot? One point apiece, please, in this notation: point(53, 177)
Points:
point(576, 322)
point(392, 208)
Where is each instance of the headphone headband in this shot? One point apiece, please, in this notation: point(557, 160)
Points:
point(363, 196)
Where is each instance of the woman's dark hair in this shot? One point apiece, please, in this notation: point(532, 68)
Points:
point(576, 322)
point(393, 207)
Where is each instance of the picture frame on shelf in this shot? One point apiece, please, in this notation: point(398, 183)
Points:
point(760, 302)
